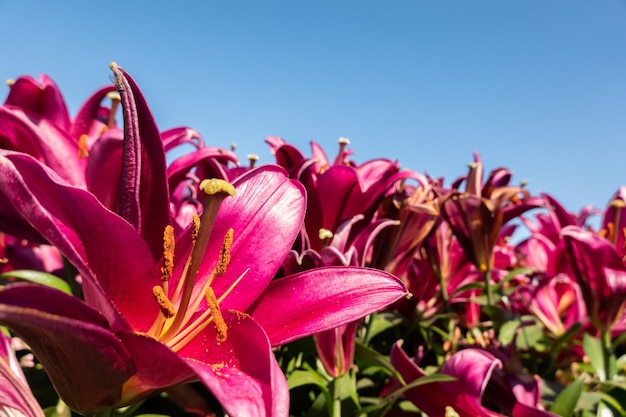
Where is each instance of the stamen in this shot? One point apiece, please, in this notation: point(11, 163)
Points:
point(168, 253)
point(83, 152)
point(220, 324)
point(233, 146)
point(224, 258)
point(618, 205)
point(217, 190)
point(9, 82)
point(252, 158)
point(115, 101)
point(343, 142)
point(167, 308)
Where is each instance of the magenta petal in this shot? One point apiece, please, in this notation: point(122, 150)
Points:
point(430, 398)
point(28, 133)
point(105, 156)
point(177, 136)
point(85, 361)
point(474, 367)
point(110, 255)
point(242, 371)
point(266, 214)
point(148, 355)
point(144, 195)
point(313, 301)
point(42, 98)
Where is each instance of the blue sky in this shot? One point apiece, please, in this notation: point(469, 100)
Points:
point(538, 86)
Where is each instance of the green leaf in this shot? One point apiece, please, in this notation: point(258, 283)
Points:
point(369, 357)
point(598, 357)
point(299, 378)
point(529, 336)
point(507, 332)
point(565, 403)
point(38, 277)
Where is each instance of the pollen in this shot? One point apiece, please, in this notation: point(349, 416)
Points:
point(220, 324)
point(195, 225)
point(224, 258)
point(215, 186)
point(83, 152)
point(168, 253)
point(325, 234)
point(167, 308)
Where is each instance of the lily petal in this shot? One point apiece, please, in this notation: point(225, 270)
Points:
point(242, 371)
point(71, 340)
point(320, 299)
point(73, 220)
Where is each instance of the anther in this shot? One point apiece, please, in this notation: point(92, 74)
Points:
point(83, 152)
point(195, 224)
point(167, 308)
point(224, 258)
point(220, 325)
point(252, 158)
point(325, 234)
point(9, 82)
point(168, 253)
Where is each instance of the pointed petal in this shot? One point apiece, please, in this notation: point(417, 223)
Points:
point(74, 221)
point(242, 371)
point(156, 366)
point(303, 304)
point(266, 214)
point(42, 98)
point(85, 361)
point(180, 167)
point(31, 134)
point(144, 196)
point(181, 136)
point(104, 168)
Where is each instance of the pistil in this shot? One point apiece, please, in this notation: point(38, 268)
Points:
point(216, 191)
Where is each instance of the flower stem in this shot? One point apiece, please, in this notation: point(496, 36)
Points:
point(488, 289)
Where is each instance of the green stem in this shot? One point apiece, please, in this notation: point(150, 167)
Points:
point(606, 353)
point(444, 293)
point(336, 399)
point(488, 289)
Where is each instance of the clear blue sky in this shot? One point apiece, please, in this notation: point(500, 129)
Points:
point(538, 86)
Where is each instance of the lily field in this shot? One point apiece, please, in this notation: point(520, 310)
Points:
point(141, 280)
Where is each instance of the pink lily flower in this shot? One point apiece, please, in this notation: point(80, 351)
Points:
point(477, 373)
point(339, 190)
point(555, 300)
point(161, 310)
point(336, 347)
point(477, 215)
point(600, 272)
